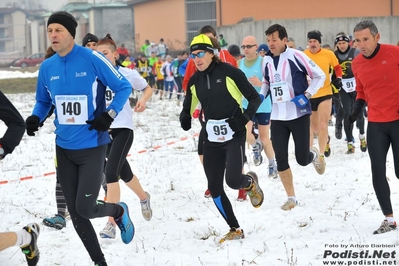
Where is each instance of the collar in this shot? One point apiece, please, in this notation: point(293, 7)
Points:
point(347, 50)
point(209, 69)
point(374, 53)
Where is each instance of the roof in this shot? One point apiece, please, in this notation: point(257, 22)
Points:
point(77, 6)
point(9, 10)
point(101, 5)
point(133, 2)
point(28, 13)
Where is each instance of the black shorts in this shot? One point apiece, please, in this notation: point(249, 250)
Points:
point(315, 102)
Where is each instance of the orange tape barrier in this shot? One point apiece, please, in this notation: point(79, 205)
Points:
point(3, 182)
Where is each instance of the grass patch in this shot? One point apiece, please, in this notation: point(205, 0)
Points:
point(18, 85)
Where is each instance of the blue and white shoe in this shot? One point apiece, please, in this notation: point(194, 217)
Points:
point(257, 151)
point(125, 224)
point(109, 231)
point(273, 173)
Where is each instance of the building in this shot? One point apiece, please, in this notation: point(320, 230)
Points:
point(177, 21)
point(14, 29)
point(24, 32)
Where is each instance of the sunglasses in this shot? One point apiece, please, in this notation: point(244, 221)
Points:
point(248, 46)
point(199, 55)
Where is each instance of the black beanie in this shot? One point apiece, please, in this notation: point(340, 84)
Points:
point(66, 20)
point(340, 38)
point(314, 35)
point(89, 38)
point(234, 50)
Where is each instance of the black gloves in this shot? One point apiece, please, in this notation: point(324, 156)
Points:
point(337, 83)
point(356, 110)
point(237, 123)
point(32, 124)
point(185, 120)
point(101, 122)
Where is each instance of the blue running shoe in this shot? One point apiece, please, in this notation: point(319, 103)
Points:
point(125, 224)
point(58, 222)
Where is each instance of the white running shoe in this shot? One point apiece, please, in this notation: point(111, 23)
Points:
point(109, 231)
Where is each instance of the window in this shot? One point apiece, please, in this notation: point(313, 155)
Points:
point(198, 14)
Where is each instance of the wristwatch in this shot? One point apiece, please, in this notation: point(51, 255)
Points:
point(112, 113)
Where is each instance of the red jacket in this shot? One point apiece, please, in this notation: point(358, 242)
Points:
point(377, 83)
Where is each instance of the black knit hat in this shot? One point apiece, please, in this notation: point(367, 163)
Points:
point(234, 50)
point(314, 34)
point(66, 20)
point(89, 38)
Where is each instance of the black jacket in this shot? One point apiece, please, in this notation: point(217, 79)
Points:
point(220, 89)
point(14, 122)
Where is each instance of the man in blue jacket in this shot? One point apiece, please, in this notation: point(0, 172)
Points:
point(74, 80)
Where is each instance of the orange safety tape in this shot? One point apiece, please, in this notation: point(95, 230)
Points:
point(3, 182)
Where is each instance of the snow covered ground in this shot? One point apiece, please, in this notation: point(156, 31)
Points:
point(332, 225)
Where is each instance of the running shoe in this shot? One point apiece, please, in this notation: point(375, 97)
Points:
point(318, 161)
point(146, 210)
point(207, 193)
point(351, 149)
point(254, 191)
point(257, 151)
point(363, 145)
point(233, 234)
point(327, 151)
point(385, 227)
point(100, 263)
point(31, 250)
point(58, 222)
point(289, 204)
point(273, 173)
point(125, 224)
point(109, 231)
point(242, 195)
point(338, 131)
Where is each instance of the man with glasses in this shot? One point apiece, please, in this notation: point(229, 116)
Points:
point(285, 72)
point(219, 87)
point(251, 65)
